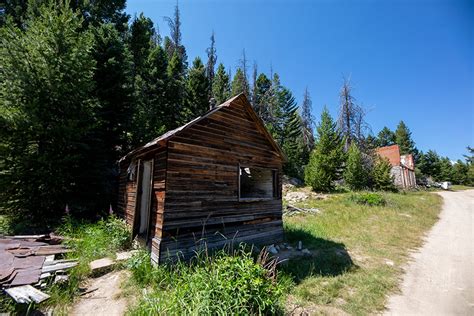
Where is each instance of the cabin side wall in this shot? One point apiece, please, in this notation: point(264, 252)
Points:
point(202, 186)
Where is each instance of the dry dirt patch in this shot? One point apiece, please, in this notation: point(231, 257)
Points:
point(105, 298)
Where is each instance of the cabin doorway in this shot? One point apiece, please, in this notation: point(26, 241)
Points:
point(142, 211)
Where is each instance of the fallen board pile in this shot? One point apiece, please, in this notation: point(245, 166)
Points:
point(27, 261)
point(291, 210)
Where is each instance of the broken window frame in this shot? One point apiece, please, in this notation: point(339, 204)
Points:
point(275, 191)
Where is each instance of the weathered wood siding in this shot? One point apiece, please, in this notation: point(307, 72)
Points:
point(202, 185)
point(128, 191)
point(127, 195)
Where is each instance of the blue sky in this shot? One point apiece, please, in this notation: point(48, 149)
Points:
point(408, 60)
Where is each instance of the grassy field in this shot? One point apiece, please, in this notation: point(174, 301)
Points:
point(359, 250)
point(460, 187)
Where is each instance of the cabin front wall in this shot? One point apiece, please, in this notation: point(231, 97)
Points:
point(129, 191)
point(202, 203)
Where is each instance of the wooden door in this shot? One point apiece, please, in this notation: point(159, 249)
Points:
point(144, 198)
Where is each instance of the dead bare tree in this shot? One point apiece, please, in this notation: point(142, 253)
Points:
point(351, 120)
point(254, 86)
point(307, 120)
point(243, 64)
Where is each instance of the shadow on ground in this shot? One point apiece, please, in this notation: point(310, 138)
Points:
point(328, 258)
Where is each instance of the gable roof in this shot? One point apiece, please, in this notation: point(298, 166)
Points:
point(240, 98)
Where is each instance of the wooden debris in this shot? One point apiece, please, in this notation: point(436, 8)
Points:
point(61, 278)
point(293, 210)
point(58, 266)
point(51, 250)
point(26, 294)
point(101, 264)
point(26, 276)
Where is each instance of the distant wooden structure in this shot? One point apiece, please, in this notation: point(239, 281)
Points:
point(403, 166)
point(215, 180)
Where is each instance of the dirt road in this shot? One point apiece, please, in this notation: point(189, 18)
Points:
point(440, 279)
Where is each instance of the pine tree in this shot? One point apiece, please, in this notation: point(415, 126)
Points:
point(355, 173)
point(153, 114)
point(221, 85)
point(113, 89)
point(197, 87)
point(261, 95)
point(446, 170)
point(403, 139)
point(327, 156)
point(211, 63)
point(175, 93)
point(287, 132)
point(429, 165)
point(141, 42)
point(381, 175)
point(385, 137)
point(239, 83)
point(370, 144)
point(460, 172)
point(47, 114)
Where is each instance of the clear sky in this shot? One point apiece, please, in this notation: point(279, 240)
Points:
point(408, 60)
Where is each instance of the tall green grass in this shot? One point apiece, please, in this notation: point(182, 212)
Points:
point(222, 284)
point(88, 241)
point(358, 250)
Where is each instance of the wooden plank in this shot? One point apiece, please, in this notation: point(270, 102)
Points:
point(26, 294)
point(58, 266)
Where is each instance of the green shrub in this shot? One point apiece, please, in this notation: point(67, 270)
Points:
point(88, 241)
point(91, 241)
point(327, 157)
point(355, 173)
point(381, 175)
point(219, 285)
point(372, 199)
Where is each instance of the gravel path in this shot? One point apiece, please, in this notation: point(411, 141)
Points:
point(106, 299)
point(440, 279)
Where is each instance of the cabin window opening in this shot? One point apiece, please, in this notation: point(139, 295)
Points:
point(257, 183)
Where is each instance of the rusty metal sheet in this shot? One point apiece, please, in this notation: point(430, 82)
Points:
point(23, 252)
point(6, 272)
point(26, 276)
point(32, 243)
point(51, 250)
point(9, 278)
point(8, 244)
point(28, 262)
point(6, 259)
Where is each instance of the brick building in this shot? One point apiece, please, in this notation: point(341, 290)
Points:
point(403, 166)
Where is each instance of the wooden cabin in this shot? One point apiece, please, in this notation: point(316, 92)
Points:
point(212, 181)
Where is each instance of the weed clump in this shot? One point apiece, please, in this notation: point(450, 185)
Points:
point(88, 241)
point(370, 198)
point(222, 284)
